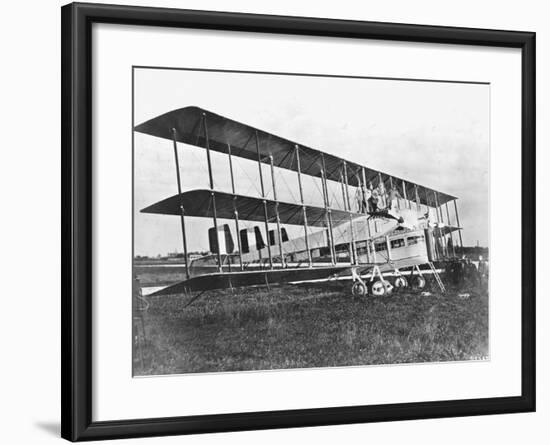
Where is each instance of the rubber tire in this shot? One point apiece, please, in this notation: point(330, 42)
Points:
point(381, 288)
point(419, 282)
point(358, 289)
point(400, 283)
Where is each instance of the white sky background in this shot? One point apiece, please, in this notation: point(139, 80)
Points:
point(435, 134)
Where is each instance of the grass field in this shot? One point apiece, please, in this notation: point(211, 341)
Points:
point(302, 326)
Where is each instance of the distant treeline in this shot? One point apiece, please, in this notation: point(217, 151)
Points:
point(473, 252)
point(171, 256)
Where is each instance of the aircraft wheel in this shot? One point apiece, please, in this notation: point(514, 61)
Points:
point(419, 282)
point(359, 289)
point(400, 282)
point(381, 288)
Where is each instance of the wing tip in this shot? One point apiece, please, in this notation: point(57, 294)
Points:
point(146, 127)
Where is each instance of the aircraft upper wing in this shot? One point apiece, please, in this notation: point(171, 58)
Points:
point(199, 203)
point(188, 123)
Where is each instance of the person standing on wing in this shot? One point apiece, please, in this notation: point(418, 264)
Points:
point(361, 199)
point(382, 194)
point(393, 196)
point(362, 196)
point(375, 202)
point(366, 198)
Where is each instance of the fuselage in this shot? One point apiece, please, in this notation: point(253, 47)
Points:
point(360, 241)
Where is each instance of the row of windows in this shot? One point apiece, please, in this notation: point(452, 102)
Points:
point(399, 242)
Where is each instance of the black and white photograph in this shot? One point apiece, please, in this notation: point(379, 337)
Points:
point(275, 222)
point(296, 220)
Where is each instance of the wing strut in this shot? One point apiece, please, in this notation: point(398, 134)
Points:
point(458, 224)
point(353, 253)
point(439, 215)
point(182, 210)
point(264, 201)
point(236, 213)
point(299, 170)
point(327, 211)
point(279, 234)
point(365, 205)
point(450, 233)
point(405, 193)
point(213, 196)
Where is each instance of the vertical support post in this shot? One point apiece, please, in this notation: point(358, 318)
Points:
point(279, 234)
point(299, 168)
point(182, 210)
point(458, 224)
point(343, 191)
point(438, 223)
point(405, 194)
point(450, 233)
point(388, 247)
point(391, 189)
point(369, 258)
point(448, 214)
point(439, 206)
point(447, 252)
point(212, 194)
point(327, 211)
point(236, 213)
point(435, 206)
point(417, 198)
point(383, 197)
point(266, 218)
point(353, 248)
point(440, 218)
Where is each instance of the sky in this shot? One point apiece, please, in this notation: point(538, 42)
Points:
point(432, 133)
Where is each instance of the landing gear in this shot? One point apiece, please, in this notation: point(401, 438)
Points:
point(377, 286)
point(381, 288)
point(359, 289)
point(418, 282)
point(400, 282)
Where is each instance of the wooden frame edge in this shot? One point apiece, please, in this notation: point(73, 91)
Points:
point(76, 393)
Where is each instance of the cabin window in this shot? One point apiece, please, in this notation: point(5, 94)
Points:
point(259, 239)
point(244, 241)
point(284, 235)
point(415, 239)
point(400, 242)
point(272, 237)
point(378, 247)
point(361, 247)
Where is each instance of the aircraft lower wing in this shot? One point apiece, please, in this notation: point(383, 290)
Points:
point(250, 278)
point(200, 203)
point(227, 280)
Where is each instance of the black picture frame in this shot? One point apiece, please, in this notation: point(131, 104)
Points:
point(76, 248)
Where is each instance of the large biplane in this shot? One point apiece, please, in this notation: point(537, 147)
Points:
point(346, 242)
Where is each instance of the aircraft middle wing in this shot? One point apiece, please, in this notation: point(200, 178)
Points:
point(199, 203)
